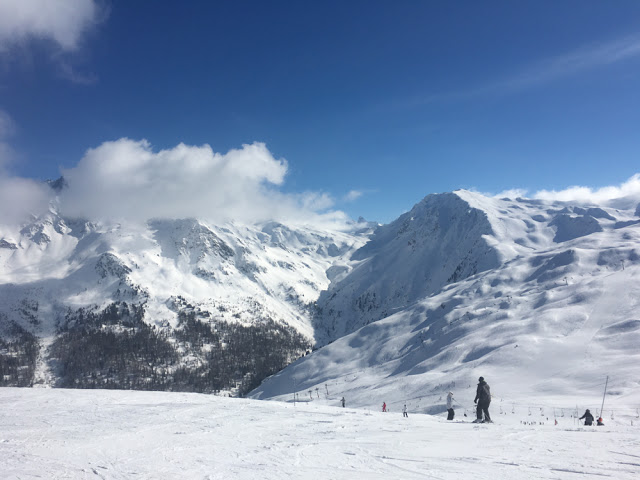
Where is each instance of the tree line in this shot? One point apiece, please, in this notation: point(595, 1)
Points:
point(115, 348)
point(18, 355)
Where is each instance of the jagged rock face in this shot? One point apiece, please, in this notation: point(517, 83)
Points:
point(58, 185)
point(8, 245)
point(110, 265)
point(440, 241)
point(36, 234)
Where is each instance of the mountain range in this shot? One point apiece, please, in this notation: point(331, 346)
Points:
point(542, 295)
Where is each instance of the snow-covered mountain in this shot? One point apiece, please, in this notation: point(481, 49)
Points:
point(236, 271)
point(440, 241)
point(541, 298)
point(59, 275)
point(535, 295)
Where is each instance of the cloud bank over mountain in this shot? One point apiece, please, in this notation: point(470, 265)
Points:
point(603, 195)
point(621, 196)
point(128, 179)
point(21, 197)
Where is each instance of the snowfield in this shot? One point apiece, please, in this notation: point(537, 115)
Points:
point(80, 434)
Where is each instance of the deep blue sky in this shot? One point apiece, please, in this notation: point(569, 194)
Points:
point(394, 99)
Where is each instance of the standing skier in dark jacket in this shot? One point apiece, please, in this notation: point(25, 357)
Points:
point(483, 399)
point(588, 418)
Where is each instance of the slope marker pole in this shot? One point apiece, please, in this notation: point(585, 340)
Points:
point(605, 392)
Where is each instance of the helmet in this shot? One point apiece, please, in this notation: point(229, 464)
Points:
point(481, 379)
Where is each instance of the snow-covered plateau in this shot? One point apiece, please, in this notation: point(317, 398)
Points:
point(102, 434)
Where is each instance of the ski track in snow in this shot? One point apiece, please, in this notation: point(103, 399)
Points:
point(80, 434)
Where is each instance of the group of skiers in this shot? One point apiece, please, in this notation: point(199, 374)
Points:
point(482, 401)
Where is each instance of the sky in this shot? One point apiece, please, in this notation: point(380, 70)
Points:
point(361, 107)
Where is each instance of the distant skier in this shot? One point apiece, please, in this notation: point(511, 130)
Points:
point(384, 406)
point(588, 418)
point(450, 411)
point(600, 422)
point(343, 402)
point(404, 411)
point(483, 399)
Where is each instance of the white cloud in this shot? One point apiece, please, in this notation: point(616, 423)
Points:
point(316, 201)
point(353, 195)
point(126, 179)
point(68, 72)
point(603, 196)
point(625, 195)
point(511, 193)
point(62, 21)
point(21, 198)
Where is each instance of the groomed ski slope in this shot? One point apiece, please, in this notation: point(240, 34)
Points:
point(78, 434)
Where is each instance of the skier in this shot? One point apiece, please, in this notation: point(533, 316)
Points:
point(384, 406)
point(450, 411)
point(404, 411)
point(483, 399)
point(588, 418)
point(600, 422)
point(342, 401)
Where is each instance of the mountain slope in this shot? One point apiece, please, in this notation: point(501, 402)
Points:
point(441, 240)
point(192, 287)
point(557, 315)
